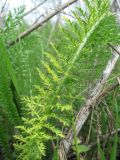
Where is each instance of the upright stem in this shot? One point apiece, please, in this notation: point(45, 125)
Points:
point(75, 139)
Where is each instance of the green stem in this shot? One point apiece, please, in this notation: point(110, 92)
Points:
point(75, 139)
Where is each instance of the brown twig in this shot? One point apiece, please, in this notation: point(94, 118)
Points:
point(107, 90)
point(70, 15)
point(36, 26)
point(37, 19)
point(3, 7)
point(34, 8)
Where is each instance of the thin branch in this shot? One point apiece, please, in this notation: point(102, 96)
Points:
point(37, 19)
point(36, 26)
point(34, 8)
point(70, 15)
point(3, 7)
point(114, 48)
point(85, 111)
point(107, 90)
point(104, 137)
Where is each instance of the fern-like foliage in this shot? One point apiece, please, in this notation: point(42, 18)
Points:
point(9, 116)
point(12, 24)
point(26, 56)
point(38, 128)
point(60, 76)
